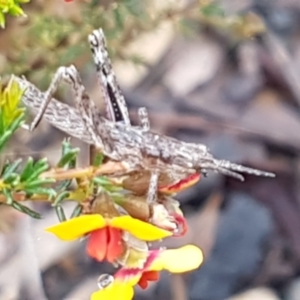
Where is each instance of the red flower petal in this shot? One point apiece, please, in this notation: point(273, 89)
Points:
point(181, 224)
point(97, 244)
point(105, 244)
point(148, 276)
point(114, 244)
point(181, 184)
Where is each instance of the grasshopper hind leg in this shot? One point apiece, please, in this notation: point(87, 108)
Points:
point(116, 107)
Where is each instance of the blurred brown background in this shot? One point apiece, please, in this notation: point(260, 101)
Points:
point(222, 73)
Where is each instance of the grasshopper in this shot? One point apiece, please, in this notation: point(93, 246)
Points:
point(141, 149)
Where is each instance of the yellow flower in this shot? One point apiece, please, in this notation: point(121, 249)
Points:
point(179, 260)
point(105, 234)
point(118, 290)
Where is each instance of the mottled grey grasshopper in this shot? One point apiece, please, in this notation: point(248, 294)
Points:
point(137, 146)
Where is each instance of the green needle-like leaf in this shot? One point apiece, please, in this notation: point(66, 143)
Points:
point(26, 210)
point(60, 213)
point(77, 211)
point(106, 184)
point(51, 193)
point(60, 198)
point(64, 185)
point(27, 169)
point(68, 157)
point(38, 182)
point(11, 169)
point(101, 180)
point(4, 168)
point(9, 198)
point(98, 160)
point(12, 179)
point(38, 168)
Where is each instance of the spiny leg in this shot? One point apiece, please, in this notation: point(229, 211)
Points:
point(47, 98)
point(116, 107)
point(97, 45)
point(83, 103)
point(144, 118)
point(153, 187)
point(59, 114)
point(85, 106)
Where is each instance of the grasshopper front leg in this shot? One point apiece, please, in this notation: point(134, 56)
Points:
point(47, 98)
point(83, 103)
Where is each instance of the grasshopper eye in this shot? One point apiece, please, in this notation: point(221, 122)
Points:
point(93, 40)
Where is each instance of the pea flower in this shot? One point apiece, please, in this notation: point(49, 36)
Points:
point(121, 285)
point(105, 229)
point(105, 235)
